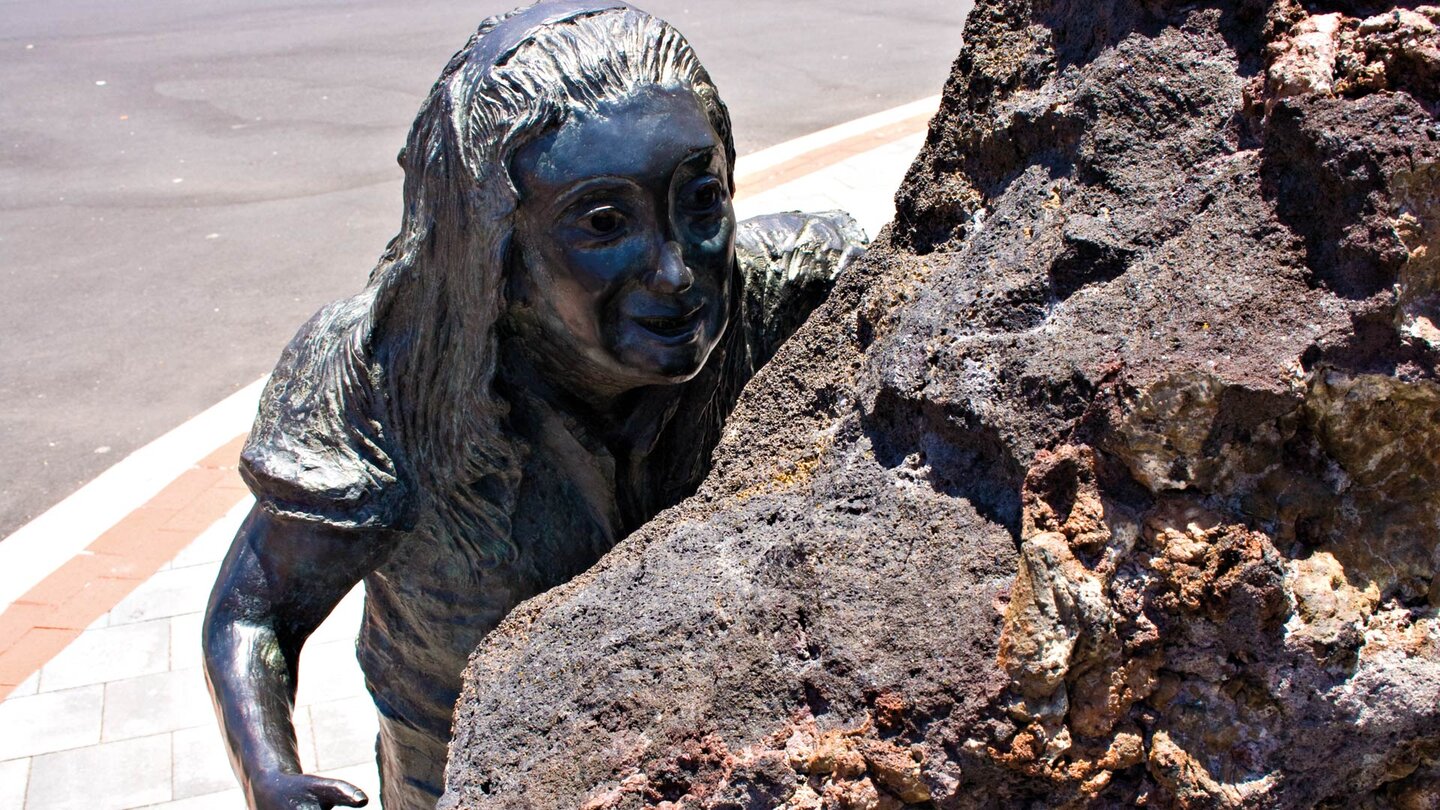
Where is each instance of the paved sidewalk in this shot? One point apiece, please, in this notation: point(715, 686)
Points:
point(116, 714)
point(121, 718)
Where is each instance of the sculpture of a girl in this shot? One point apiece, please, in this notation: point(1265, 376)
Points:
point(542, 360)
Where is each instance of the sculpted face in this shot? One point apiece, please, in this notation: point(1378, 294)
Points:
point(626, 235)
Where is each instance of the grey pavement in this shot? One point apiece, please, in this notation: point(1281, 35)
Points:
point(182, 184)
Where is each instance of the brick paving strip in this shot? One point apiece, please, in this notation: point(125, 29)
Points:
point(49, 616)
point(38, 625)
point(758, 182)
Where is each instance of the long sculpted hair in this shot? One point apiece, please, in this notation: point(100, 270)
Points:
point(438, 290)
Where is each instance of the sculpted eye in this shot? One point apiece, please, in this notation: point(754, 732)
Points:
point(704, 196)
point(603, 223)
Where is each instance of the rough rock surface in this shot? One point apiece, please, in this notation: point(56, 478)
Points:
point(1108, 478)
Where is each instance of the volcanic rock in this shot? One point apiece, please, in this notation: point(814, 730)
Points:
point(1108, 478)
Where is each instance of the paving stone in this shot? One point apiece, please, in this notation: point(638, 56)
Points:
point(155, 704)
point(202, 768)
point(109, 776)
point(213, 543)
point(343, 623)
point(13, 776)
point(366, 777)
point(344, 732)
point(27, 687)
point(863, 184)
point(328, 672)
point(850, 177)
point(50, 721)
point(228, 800)
point(305, 739)
point(185, 652)
point(167, 593)
point(27, 651)
point(109, 654)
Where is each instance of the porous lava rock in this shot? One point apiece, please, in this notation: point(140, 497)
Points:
point(1107, 479)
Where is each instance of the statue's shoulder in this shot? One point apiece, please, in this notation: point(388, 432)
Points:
point(321, 449)
point(789, 263)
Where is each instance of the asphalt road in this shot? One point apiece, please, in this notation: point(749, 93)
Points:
point(182, 184)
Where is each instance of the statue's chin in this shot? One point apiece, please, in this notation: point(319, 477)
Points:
point(668, 368)
point(668, 365)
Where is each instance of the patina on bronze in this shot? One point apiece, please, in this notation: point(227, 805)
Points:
point(542, 360)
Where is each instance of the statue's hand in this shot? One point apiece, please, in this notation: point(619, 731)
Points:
point(298, 791)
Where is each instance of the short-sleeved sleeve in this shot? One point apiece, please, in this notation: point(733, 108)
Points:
point(789, 262)
point(319, 449)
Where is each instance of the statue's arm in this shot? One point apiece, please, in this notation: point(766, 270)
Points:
point(278, 583)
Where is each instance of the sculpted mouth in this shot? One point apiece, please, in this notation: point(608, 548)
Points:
point(671, 326)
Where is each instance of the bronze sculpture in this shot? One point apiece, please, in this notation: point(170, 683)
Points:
point(542, 360)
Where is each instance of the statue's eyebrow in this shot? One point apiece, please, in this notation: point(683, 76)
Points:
point(697, 159)
point(703, 151)
point(601, 183)
point(591, 189)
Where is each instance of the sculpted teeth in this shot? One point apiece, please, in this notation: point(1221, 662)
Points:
point(671, 326)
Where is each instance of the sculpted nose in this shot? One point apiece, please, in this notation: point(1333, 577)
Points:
point(670, 274)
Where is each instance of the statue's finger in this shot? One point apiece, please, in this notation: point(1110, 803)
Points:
point(336, 792)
